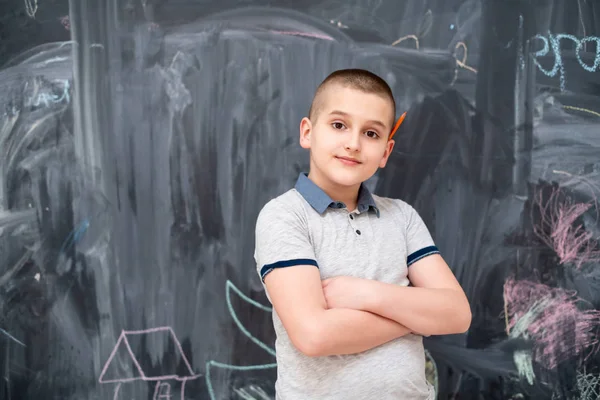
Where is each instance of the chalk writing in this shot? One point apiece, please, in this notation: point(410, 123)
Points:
point(162, 389)
point(461, 63)
point(305, 34)
point(572, 244)
point(553, 41)
point(581, 17)
point(574, 180)
point(426, 23)
point(31, 7)
point(552, 318)
point(12, 337)
point(74, 236)
point(58, 94)
point(524, 364)
point(229, 287)
point(597, 114)
point(252, 393)
point(66, 22)
point(403, 38)
point(520, 44)
point(339, 24)
point(588, 385)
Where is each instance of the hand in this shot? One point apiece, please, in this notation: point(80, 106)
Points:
point(348, 292)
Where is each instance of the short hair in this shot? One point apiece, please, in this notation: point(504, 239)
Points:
point(354, 78)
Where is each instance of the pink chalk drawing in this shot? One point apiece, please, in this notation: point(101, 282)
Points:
point(162, 389)
point(65, 21)
point(572, 244)
point(552, 319)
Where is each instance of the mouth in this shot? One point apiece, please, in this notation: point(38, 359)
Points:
point(348, 160)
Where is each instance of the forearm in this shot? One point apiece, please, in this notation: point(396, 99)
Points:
point(348, 331)
point(424, 310)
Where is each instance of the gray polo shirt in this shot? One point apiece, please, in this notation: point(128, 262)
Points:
point(379, 240)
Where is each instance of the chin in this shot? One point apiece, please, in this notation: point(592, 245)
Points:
point(347, 178)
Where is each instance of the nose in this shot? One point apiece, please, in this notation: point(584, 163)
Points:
point(352, 141)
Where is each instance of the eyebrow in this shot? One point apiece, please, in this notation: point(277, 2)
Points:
point(345, 114)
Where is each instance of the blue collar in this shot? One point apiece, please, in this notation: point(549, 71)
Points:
point(320, 201)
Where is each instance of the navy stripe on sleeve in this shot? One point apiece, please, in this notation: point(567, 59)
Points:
point(424, 252)
point(286, 263)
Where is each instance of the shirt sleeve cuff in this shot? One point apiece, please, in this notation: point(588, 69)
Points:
point(419, 254)
point(285, 263)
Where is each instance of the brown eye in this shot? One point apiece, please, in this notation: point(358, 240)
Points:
point(338, 125)
point(372, 134)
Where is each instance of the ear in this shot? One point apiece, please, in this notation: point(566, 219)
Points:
point(389, 146)
point(305, 131)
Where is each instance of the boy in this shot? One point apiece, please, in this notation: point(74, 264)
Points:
point(337, 261)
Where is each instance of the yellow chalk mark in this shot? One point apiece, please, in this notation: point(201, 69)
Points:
point(463, 63)
point(597, 114)
point(403, 38)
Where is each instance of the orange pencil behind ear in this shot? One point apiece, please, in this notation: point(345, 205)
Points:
point(397, 125)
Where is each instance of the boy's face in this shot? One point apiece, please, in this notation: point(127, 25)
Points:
point(348, 142)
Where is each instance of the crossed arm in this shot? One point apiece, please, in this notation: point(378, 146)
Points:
point(346, 315)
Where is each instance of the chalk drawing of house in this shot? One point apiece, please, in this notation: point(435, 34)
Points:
point(165, 381)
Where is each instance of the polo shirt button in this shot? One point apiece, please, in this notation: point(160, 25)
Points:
point(357, 231)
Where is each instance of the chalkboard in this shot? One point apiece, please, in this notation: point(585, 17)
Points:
point(140, 139)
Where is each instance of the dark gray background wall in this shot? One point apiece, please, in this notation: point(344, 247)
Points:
point(139, 140)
